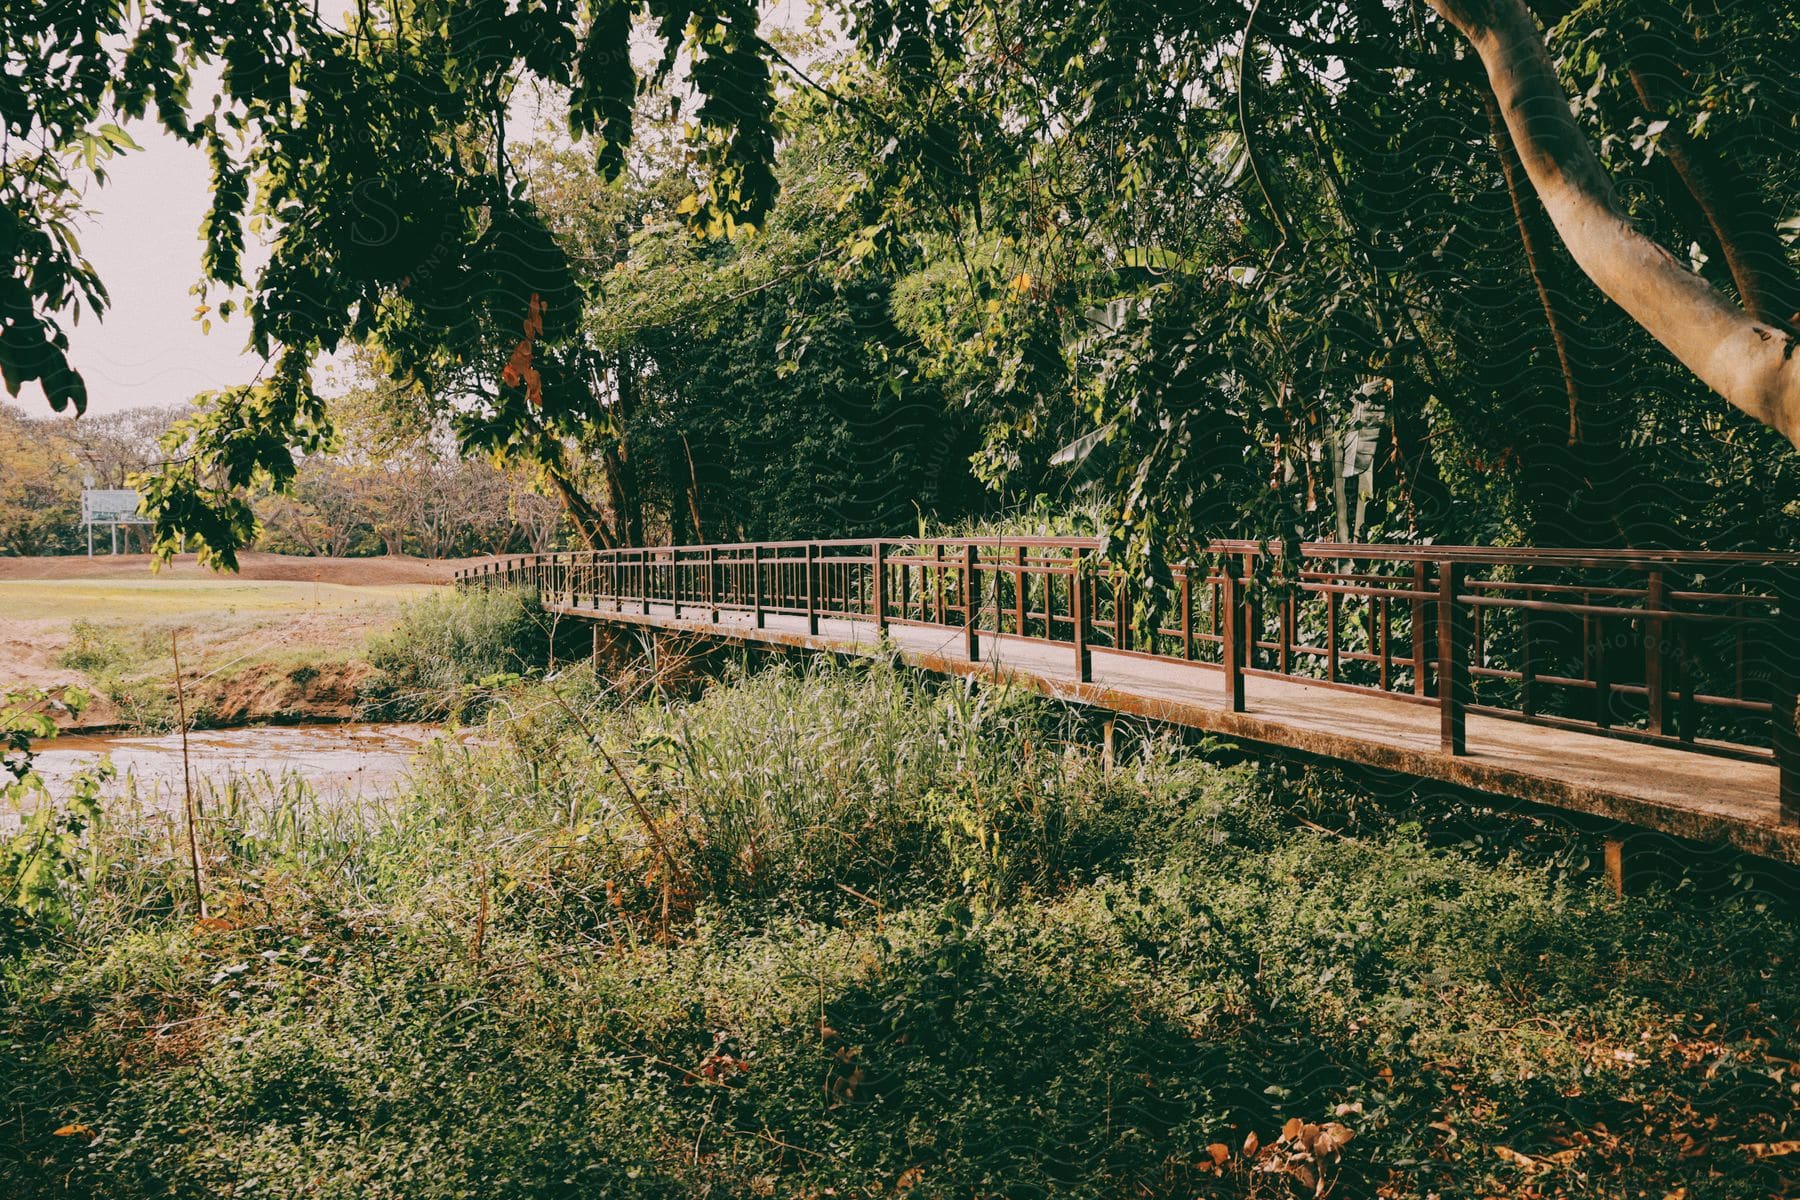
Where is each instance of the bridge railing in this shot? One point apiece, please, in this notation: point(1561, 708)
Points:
point(1688, 649)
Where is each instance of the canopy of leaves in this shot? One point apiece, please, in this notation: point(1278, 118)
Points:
point(1246, 266)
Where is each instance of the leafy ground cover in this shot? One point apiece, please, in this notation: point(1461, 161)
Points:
point(850, 932)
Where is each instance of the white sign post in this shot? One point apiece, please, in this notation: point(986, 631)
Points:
point(110, 506)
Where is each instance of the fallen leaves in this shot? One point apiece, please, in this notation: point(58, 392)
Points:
point(1537, 1164)
point(1306, 1153)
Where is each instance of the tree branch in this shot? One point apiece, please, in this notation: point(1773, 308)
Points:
point(1751, 364)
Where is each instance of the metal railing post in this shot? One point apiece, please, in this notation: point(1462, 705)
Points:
point(878, 563)
point(812, 607)
point(756, 591)
point(712, 583)
point(1453, 663)
point(1078, 610)
point(1655, 650)
point(1252, 624)
point(937, 552)
point(971, 603)
point(1020, 604)
point(1187, 613)
point(1421, 672)
point(1232, 649)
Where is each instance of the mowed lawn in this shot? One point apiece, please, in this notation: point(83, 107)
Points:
point(131, 600)
point(251, 649)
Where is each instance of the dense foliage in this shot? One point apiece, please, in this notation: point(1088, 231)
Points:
point(448, 653)
point(1271, 268)
point(848, 932)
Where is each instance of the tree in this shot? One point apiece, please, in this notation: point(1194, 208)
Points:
point(1220, 256)
point(771, 393)
point(40, 486)
point(1168, 229)
point(1747, 359)
point(378, 152)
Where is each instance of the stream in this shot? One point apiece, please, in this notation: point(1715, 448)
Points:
point(341, 760)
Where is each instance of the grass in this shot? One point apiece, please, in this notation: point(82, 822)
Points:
point(192, 600)
point(850, 932)
point(446, 651)
point(251, 650)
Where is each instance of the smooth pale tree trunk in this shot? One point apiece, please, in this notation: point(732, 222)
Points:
point(1753, 364)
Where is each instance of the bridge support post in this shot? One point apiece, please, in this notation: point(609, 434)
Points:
point(878, 584)
point(971, 603)
point(1078, 612)
point(1453, 663)
point(1232, 647)
point(1615, 865)
point(610, 648)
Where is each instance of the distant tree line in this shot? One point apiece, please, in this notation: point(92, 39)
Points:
point(363, 495)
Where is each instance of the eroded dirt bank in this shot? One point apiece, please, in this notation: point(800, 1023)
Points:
point(282, 642)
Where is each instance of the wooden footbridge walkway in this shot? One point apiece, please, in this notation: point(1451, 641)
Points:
point(1647, 688)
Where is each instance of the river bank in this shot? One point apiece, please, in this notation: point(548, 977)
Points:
point(282, 642)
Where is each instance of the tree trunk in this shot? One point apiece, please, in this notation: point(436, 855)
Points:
point(693, 496)
point(589, 521)
point(628, 499)
point(1531, 235)
point(1747, 239)
point(1750, 363)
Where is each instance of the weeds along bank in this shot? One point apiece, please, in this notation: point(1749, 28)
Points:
point(849, 932)
point(267, 651)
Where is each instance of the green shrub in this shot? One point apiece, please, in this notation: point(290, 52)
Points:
point(433, 663)
point(94, 649)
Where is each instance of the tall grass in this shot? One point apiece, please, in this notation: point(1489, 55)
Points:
point(822, 787)
point(845, 931)
point(436, 660)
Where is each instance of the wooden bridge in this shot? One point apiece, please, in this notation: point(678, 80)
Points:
point(1653, 689)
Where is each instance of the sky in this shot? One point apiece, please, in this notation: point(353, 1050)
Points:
point(143, 236)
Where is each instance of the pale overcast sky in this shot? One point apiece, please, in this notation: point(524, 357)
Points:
point(144, 238)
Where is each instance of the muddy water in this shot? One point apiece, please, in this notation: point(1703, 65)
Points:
point(335, 760)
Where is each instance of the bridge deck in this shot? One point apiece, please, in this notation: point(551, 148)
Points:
point(1706, 798)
